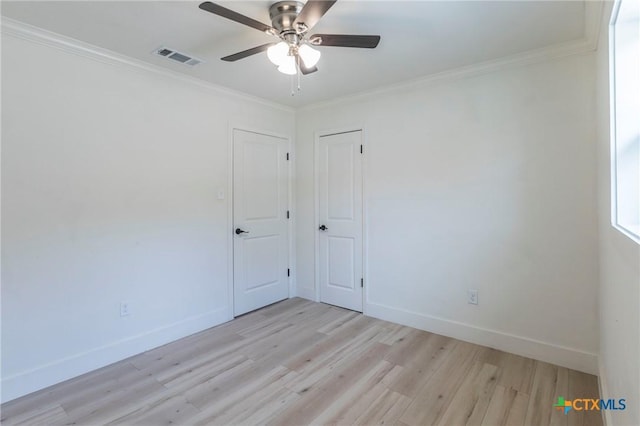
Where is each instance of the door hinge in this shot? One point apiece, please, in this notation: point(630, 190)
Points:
point(287, 156)
point(361, 282)
point(287, 214)
point(288, 272)
point(361, 149)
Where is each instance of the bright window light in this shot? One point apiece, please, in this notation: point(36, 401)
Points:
point(624, 48)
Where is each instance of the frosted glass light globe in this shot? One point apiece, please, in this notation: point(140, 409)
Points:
point(309, 55)
point(288, 66)
point(278, 53)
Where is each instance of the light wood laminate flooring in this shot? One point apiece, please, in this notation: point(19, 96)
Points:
point(298, 362)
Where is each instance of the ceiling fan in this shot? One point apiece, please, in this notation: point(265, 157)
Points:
point(291, 22)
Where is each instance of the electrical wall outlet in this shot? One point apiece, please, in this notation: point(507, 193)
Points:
point(124, 309)
point(472, 297)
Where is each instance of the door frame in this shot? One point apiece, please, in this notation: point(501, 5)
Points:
point(229, 200)
point(316, 209)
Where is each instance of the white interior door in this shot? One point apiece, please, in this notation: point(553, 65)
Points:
point(260, 231)
point(340, 217)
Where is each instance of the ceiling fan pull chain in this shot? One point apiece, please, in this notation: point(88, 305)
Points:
point(298, 71)
point(293, 93)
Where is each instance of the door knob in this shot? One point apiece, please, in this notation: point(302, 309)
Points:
point(240, 231)
point(323, 228)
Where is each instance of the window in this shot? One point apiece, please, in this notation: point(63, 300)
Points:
point(624, 48)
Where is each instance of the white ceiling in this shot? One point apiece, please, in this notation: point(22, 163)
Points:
point(419, 38)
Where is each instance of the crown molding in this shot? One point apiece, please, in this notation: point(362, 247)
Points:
point(21, 30)
point(527, 58)
point(588, 43)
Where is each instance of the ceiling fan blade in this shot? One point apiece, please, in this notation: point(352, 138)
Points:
point(248, 52)
point(237, 17)
point(345, 40)
point(304, 70)
point(312, 11)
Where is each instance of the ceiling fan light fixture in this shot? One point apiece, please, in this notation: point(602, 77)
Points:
point(309, 55)
point(278, 53)
point(291, 22)
point(288, 66)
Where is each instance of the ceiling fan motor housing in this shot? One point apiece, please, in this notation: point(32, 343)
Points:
point(283, 14)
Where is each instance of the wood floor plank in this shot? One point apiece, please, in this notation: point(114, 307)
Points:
point(202, 394)
point(92, 384)
point(219, 352)
point(340, 320)
point(346, 413)
point(549, 382)
point(299, 362)
point(507, 407)
point(331, 388)
point(282, 350)
point(583, 386)
point(287, 343)
point(247, 401)
point(355, 322)
point(224, 406)
point(315, 373)
point(361, 397)
point(416, 349)
point(514, 371)
point(200, 372)
point(42, 415)
point(324, 349)
point(401, 349)
point(99, 395)
point(435, 396)
point(268, 408)
point(395, 333)
point(474, 395)
point(287, 307)
point(419, 369)
point(117, 403)
point(164, 359)
point(357, 398)
point(323, 359)
point(170, 409)
point(385, 410)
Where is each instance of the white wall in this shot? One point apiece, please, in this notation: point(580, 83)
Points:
point(109, 183)
point(485, 182)
point(110, 175)
point(619, 296)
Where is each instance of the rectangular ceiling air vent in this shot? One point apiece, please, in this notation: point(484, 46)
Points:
point(174, 55)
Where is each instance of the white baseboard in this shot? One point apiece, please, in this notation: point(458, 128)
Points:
point(60, 370)
point(559, 355)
